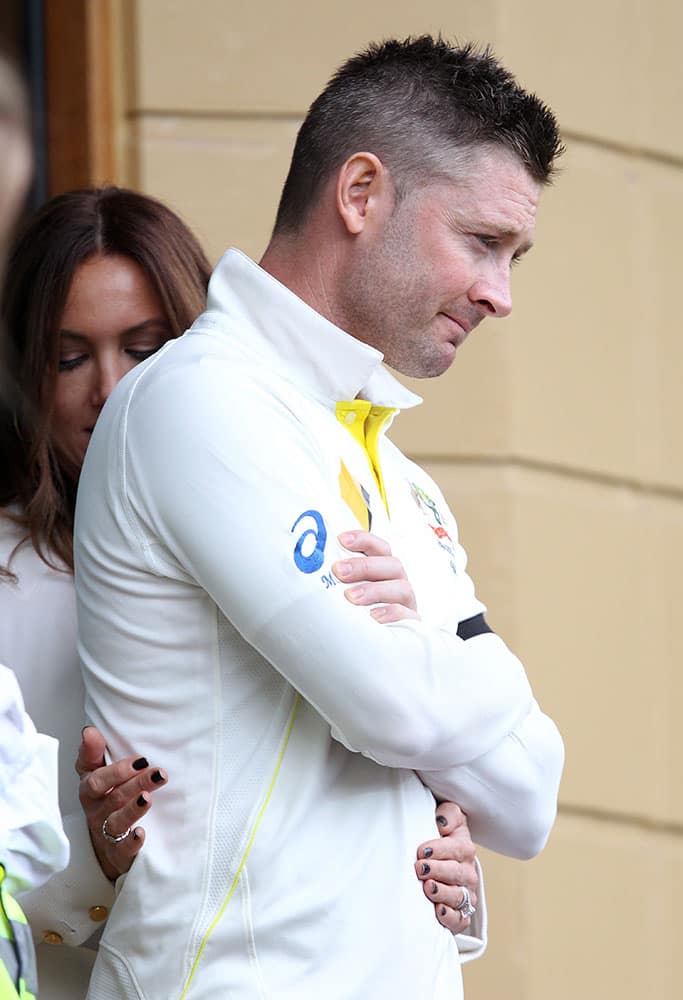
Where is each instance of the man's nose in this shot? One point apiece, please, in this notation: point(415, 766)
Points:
point(493, 293)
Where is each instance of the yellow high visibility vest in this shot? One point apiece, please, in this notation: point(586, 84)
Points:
point(18, 975)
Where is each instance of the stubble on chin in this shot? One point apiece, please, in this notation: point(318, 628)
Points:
point(417, 355)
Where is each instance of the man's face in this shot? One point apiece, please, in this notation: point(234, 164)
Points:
point(439, 264)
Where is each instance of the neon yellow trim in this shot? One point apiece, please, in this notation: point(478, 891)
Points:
point(250, 844)
point(374, 425)
point(12, 908)
point(365, 424)
point(352, 414)
point(351, 493)
point(8, 990)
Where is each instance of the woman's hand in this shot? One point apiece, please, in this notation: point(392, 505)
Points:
point(446, 864)
point(118, 794)
point(378, 578)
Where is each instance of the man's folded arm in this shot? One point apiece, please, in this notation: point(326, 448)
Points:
point(261, 537)
point(510, 793)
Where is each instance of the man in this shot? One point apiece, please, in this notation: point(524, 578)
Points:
point(309, 737)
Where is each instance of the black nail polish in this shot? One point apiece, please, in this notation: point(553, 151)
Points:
point(434, 889)
point(427, 853)
point(157, 776)
point(426, 869)
point(443, 911)
point(140, 764)
point(142, 801)
point(442, 821)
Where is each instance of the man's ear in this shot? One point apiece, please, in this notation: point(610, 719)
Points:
point(362, 186)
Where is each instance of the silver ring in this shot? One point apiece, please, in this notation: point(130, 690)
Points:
point(112, 838)
point(465, 907)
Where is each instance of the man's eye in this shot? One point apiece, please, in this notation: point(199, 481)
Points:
point(488, 241)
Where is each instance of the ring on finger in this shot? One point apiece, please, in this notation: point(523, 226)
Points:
point(465, 906)
point(113, 838)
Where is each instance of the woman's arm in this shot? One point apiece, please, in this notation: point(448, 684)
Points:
point(71, 905)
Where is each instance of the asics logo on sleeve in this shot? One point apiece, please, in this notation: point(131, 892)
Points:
point(309, 551)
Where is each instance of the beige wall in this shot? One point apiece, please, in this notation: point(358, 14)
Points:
point(558, 436)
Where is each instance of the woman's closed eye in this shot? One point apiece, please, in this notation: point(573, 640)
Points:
point(68, 364)
point(137, 354)
point(142, 353)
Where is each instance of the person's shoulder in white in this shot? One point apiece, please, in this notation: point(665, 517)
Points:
point(32, 840)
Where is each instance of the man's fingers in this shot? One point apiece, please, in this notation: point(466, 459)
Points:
point(389, 591)
point(365, 542)
point(385, 614)
point(373, 568)
point(381, 578)
point(91, 751)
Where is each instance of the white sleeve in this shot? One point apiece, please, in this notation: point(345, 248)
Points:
point(67, 902)
point(32, 841)
point(238, 497)
point(510, 793)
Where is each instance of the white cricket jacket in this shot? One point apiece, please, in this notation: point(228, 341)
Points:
point(215, 638)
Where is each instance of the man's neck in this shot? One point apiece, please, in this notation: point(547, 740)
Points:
point(307, 269)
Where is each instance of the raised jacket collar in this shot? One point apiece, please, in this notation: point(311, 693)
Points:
point(302, 345)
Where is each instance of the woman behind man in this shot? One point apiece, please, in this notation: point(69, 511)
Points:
point(96, 283)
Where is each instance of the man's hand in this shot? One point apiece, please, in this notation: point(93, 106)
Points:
point(118, 793)
point(446, 864)
point(378, 576)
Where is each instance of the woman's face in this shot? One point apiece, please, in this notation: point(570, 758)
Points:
point(112, 320)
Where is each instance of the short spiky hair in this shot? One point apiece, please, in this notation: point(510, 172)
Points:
point(414, 104)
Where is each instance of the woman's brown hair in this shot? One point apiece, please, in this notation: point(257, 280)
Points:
point(54, 243)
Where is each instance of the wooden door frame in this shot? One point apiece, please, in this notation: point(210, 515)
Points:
point(81, 90)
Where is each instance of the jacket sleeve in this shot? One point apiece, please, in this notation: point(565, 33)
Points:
point(510, 793)
point(67, 902)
